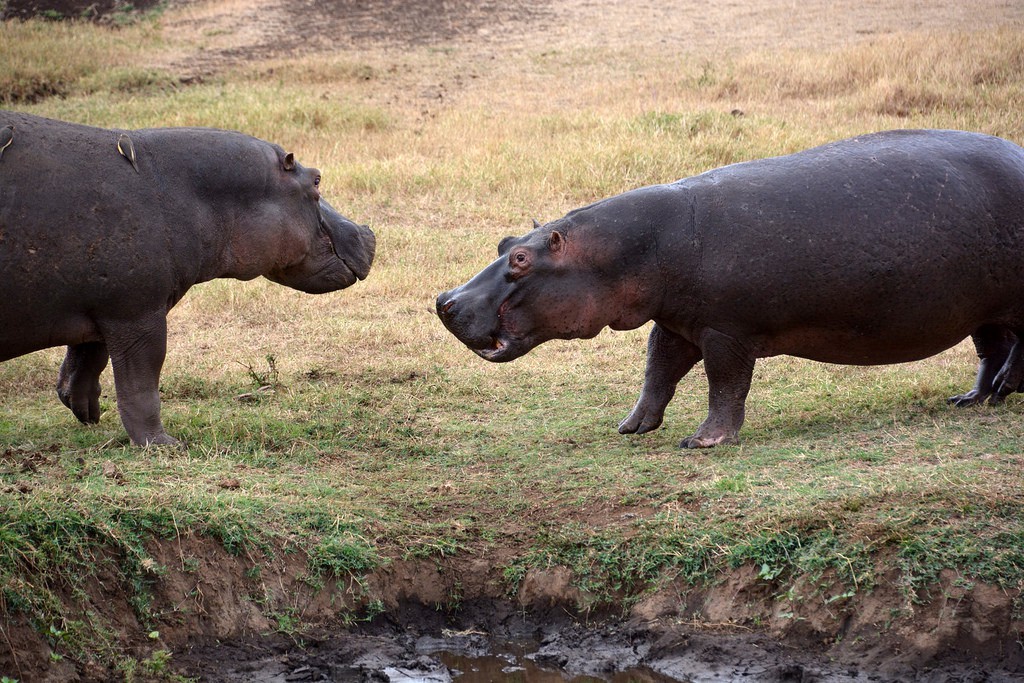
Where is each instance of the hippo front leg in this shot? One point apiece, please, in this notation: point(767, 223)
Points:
point(137, 350)
point(669, 358)
point(730, 368)
point(78, 382)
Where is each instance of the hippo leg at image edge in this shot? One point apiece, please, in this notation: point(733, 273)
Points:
point(996, 352)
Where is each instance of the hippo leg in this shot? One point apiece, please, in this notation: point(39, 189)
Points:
point(994, 345)
point(669, 358)
point(730, 368)
point(78, 382)
point(137, 350)
point(1010, 375)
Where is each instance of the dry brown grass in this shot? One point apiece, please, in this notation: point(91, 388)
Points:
point(443, 151)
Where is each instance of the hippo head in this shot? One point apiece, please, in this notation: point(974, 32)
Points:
point(319, 250)
point(551, 283)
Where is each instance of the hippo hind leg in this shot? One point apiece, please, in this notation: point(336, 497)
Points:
point(1010, 377)
point(996, 347)
point(78, 382)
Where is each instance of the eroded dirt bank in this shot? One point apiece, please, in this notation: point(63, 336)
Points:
point(224, 621)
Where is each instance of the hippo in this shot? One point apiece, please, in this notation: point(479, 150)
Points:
point(882, 248)
point(103, 231)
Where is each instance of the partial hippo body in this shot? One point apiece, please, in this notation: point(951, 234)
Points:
point(879, 249)
point(103, 231)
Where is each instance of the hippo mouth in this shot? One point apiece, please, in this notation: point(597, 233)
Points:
point(357, 271)
point(497, 351)
point(502, 345)
point(495, 337)
point(353, 245)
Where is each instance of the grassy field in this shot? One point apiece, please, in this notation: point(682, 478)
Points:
point(352, 427)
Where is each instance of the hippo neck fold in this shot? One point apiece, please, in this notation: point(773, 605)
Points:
point(634, 242)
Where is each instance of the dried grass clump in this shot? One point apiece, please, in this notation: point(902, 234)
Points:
point(899, 75)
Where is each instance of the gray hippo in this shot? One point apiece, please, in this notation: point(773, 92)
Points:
point(103, 231)
point(883, 248)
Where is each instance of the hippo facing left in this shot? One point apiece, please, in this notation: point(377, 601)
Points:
point(103, 231)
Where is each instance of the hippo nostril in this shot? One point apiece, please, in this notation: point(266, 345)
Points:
point(446, 309)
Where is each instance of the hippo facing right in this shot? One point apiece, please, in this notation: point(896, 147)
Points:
point(103, 231)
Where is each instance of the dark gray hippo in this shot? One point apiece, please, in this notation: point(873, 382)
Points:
point(879, 249)
point(103, 231)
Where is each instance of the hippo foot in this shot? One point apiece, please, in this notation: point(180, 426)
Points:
point(162, 439)
point(640, 422)
point(1003, 389)
point(970, 398)
point(697, 441)
point(78, 382)
point(84, 405)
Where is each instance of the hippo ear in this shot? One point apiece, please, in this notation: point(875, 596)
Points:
point(536, 224)
point(505, 244)
point(555, 242)
point(289, 162)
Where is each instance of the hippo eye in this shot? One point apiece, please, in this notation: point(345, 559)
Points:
point(518, 264)
point(316, 181)
point(519, 261)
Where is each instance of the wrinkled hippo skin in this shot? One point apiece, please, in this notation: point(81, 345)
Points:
point(103, 231)
point(884, 248)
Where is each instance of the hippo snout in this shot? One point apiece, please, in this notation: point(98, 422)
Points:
point(353, 243)
point(460, 320)
point(476, 324)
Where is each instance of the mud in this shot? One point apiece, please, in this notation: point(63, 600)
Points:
point(509, 645)
point(514, 647)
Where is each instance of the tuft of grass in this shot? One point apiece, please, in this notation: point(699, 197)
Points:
point(92, 59)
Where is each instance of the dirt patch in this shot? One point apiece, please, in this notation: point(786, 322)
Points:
point(240, 31)
point(102, 11)
point(246, 31)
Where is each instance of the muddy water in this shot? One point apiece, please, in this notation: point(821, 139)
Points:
point(548, 655)
point(505, 664)
point(515, 664)
point(508, 669)
point(569, 655)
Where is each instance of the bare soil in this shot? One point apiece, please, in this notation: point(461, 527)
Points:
point(104, 11)
point(737, 630)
